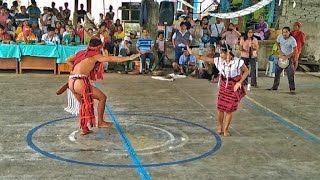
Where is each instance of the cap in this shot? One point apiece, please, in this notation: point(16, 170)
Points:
point(127, 38)
point(26, 29)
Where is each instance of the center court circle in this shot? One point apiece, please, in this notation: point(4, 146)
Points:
point(38, 149)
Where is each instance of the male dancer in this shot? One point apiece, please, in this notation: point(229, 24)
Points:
point(88, 64)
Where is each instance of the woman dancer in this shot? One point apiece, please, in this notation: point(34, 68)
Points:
point(233, 72)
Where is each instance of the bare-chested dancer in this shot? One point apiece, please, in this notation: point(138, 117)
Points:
point(86, 64)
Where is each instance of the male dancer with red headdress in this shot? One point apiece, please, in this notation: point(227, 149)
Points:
point(88, 65)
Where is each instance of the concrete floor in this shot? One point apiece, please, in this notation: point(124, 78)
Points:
point(163, 130)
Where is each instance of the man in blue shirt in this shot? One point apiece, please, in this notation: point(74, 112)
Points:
point(144, 47)
point(187, 63)
point(34, 12)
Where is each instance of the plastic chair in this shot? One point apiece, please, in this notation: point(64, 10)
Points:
point(147, 64)
point(269, 69)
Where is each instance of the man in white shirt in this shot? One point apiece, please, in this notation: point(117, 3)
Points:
point(216, 31)
point(50, 37)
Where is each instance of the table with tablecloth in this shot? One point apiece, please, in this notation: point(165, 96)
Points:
point(36, 56)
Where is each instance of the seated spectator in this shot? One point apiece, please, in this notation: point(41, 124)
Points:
point(80, 32)
point(19, 29)
point(262, 29)
point(50, 37)
point(71, 38)
point(36, 31)
point(187, 63)
point(4, 36)
point(119, 34)
point(110, 44)
point(21, 17)
point(101, 18)
point(26, 36)
point(211, 67)
point(118, 23)
point(87, 36)
point(275, 53)
point(124, 50)
point(145, 46)
point(11, 29)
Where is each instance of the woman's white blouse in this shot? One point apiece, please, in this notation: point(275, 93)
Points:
point(230, 70)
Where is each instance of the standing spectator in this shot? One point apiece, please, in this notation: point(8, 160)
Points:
point(34, 12)
point(4, 36)
point(26, 36)
point(81, 13)
point(108, 20)
point(104, 33)
point(197, 33)
point(3, 16)
point(60, 15)
point(180, 40)
point(66, 12)
point(53, 9)
point(188, 22)
point(288, 48)
point(232, 36)
point(206, 31)
point(216, 30)
point(14, 7)
point(144, 47)
point(50, 37)
point(71, 38)
point(249, 47)
point(111, 12)
point(22, 16)
point(160, 50)
point(299, 36)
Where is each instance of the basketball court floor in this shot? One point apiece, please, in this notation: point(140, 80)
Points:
point(162, 130)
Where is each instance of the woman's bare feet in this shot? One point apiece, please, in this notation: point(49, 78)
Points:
point(226, 134)
point(103, 124)
point(85, 131)
point(219, 130)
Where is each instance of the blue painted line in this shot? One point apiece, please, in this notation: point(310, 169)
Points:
point(212, 151)
point(279, 119)
point(144, 174)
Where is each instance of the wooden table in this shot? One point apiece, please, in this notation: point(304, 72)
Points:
point(38, 63)
point(64, 68)
point(9, 63)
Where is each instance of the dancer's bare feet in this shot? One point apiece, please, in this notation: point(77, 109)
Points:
point(219, 130)
point(226, 134)
point(85, 131)
point(103, 124)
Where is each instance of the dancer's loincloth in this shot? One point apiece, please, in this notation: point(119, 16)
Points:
point(228, 99)
point(86, 116)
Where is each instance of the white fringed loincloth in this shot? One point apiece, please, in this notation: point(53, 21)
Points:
point(73, 104)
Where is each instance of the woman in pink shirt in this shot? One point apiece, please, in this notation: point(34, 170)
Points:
point(232, 36)
point(249, 47)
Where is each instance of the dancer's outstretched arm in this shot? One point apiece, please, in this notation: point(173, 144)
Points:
point(117, 58)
